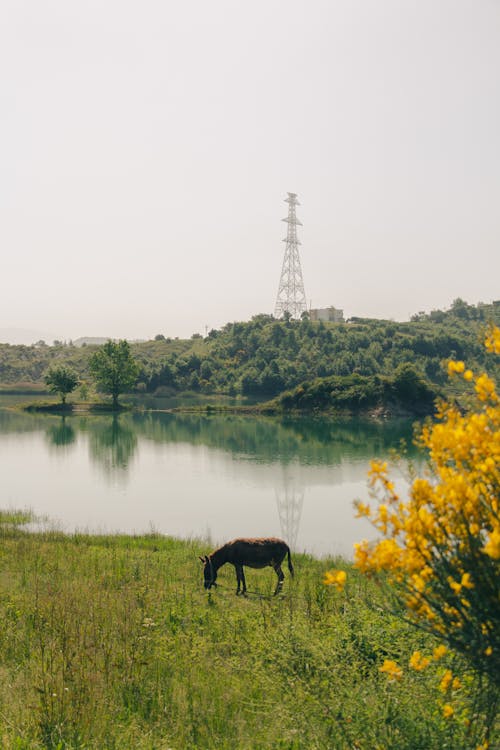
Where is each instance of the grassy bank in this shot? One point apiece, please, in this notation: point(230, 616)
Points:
point(112, 643)
point(76, 407)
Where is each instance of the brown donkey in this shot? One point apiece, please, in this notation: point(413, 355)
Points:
point(255, 553)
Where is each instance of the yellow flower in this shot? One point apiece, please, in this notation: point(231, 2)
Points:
point(466, 582)
point(488, 651)
point(335, 578)
point(492, 546)
point(492, 341)
point(378, 468)
point(485, 388)
point(468, 375)
point(456, 587)
point(418, 662)
point(439, 652)
point(448, 711)
point(362, 555)
point(454, 367)
point(377, 471)
point(363, 509)
point(446, 681)
point(392, 670)
point(418, 582)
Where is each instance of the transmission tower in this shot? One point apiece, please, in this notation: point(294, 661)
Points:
point(291, 295)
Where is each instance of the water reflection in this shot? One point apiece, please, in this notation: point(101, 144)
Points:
point(184, 474)
point(61, 434)
point(320, 441)
point(290, 501)
point(311, 441)
point(112, 443)
point(113, 440)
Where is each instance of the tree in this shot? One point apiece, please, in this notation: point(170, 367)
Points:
point(460, 308)
point(410, 387)
point(114, 368)
point(62, 380)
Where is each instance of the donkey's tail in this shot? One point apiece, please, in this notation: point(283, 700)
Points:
point(290, 566)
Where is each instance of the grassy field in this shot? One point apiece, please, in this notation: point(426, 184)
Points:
point(112, 643)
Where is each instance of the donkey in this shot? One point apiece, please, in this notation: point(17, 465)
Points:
point(255, 553)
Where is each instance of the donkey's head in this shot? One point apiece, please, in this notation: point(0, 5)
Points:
point(209, 572)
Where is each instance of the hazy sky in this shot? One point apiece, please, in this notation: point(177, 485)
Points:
point(147, 147)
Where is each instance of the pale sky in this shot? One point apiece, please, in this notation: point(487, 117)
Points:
point(147, 147)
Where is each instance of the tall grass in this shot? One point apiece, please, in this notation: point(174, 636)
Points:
point(112, 643)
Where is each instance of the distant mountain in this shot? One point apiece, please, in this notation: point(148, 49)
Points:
point(98, 340)
point(25, 336)
point(86, 340)
point(28, 337)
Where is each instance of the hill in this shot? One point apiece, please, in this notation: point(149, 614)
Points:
point(264, 357)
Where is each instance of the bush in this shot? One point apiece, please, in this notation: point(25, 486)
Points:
point(441, 546)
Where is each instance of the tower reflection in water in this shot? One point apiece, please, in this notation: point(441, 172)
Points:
point(290, 501)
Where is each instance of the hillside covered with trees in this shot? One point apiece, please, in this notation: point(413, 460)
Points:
point(265, 357)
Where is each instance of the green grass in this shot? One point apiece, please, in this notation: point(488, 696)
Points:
point(112, 643)
point(16, 517)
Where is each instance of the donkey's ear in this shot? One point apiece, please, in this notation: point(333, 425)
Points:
point(202, 560)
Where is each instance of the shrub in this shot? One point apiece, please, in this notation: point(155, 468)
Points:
point(441, 546)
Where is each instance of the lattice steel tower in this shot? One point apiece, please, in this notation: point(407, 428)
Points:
point(291, 295)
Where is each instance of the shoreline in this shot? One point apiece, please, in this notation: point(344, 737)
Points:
point(379, 412)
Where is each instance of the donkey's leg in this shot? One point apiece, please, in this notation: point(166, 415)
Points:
point(242, 574)
point(238, 577)
point(281, 578)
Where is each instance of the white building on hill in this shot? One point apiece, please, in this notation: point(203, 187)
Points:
point(327, 314)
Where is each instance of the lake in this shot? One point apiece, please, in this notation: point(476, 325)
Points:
point(209, 476)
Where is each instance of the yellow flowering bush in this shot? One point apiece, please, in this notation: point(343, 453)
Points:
point(441, 546)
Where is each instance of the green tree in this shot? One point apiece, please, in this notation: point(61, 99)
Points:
point(62, 380)
point(411, 388)
point(114, 368)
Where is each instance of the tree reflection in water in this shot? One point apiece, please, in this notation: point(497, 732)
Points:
point(312, 441)
point(61, 434)
point(112, 443)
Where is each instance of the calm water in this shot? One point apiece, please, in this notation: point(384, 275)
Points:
point(214, 477)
